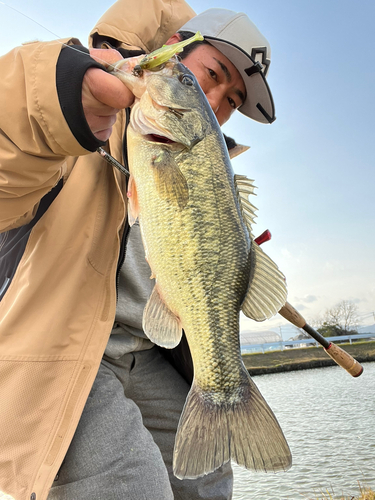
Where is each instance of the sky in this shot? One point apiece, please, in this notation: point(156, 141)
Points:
point(314, 166)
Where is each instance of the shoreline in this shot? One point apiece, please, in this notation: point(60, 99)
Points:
point(304, 358)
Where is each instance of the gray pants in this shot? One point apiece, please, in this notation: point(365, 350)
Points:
point(123, 446)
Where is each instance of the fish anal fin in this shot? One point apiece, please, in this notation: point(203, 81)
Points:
point(159, 323)
point(170, 181)
point(133, 207)
point(243, 429)
point(267, 291)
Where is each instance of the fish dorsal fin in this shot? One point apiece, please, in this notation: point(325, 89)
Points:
point(159, 323)
point(237, 150)
point(133, 207)
point(245, 187)
point(267, 291)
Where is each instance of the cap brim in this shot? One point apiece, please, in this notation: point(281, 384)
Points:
point(259, 103)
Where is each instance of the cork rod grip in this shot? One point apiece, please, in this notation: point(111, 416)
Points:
point(292, 315)
point(345, 360)
point(341, 357)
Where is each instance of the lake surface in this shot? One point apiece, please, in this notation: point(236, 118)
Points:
point(328, 418)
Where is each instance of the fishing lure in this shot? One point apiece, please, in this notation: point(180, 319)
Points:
point(160, 56)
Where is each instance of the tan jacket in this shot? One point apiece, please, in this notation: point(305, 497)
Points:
point(57, 314)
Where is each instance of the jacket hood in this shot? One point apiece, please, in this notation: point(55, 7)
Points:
point(147, 25)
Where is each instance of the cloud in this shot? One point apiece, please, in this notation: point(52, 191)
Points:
point(310, 298)
point(307, 299)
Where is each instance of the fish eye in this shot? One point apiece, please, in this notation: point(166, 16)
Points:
point(187, 79)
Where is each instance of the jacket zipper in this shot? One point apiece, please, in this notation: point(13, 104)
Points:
point(122, 255)
point(126, 223)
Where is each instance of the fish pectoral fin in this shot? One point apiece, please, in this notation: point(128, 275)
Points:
point(215, 428)
point(267, 291)
point(160, 324)
point(133, 207)
point(169, 179)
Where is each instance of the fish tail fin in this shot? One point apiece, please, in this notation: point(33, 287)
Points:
point(241, 427)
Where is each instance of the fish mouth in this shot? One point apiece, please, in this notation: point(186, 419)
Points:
point(159, 138)
point(147, 125)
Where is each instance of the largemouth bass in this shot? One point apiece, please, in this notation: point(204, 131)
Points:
point(195, 221)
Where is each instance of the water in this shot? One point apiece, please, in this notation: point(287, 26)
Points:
point(328, 418)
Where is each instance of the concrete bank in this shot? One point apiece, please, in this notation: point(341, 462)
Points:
point(304, 358)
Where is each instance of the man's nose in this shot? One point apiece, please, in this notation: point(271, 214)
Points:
point(214, 99)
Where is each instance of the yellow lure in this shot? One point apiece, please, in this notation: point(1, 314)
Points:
point(162, 55)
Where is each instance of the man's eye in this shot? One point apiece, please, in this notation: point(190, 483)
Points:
point(232, 103)
point(212, 74)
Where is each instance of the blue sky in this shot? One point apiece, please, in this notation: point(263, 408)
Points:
point(314, 166)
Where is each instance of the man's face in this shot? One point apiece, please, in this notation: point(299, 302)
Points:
point(219, 78)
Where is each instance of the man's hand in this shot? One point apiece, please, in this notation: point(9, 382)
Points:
point(103, 95)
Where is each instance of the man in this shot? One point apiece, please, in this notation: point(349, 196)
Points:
point(73, 279)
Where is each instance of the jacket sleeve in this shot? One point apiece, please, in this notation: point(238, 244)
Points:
point(35, 138)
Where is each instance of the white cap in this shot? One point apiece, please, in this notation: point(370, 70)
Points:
point(244, 45)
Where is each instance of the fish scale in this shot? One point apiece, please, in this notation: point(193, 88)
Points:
point(206, 290)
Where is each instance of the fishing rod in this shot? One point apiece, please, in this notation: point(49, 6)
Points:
point(341, 357)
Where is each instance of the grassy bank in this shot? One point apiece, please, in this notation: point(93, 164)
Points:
point(304, 358)
point(365, 494)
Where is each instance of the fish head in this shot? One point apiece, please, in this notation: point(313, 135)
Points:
point(172, 107)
